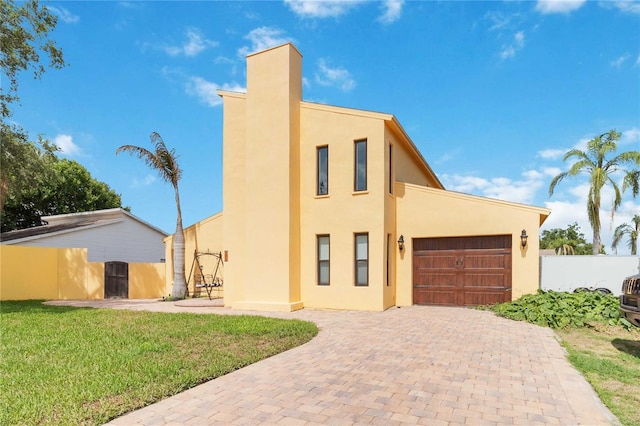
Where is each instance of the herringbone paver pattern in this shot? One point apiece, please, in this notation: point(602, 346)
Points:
point(410, 365)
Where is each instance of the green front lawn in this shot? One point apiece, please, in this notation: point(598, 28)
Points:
point(65, 365)
point(609, 358)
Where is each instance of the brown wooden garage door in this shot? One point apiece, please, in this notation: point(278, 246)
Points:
point(462, 271)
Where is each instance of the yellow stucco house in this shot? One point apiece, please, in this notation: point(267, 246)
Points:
point(331, 207)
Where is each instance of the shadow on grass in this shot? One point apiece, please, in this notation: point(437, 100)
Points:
point(33, 306)
point(632, 347)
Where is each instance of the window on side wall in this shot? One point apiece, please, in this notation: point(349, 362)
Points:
point(390, 169)
point(362, 259)
point(322, 187)
point(323, 259)
point(360, 169)
point(388, 258)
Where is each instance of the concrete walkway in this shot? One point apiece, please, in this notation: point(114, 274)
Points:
point(410, 365)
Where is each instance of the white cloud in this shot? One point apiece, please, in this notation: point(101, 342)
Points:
point(448, 156)
point(337, 77)
point(558, 6)
point(131, 4)
point(626, 6)
point(630, 136)
point(66, 145)
point(509, 50)
point(617, 63)
point(551, 154)
point(194, 44)
point(263, 38)
point(207, 91)
point(551, 171)
point(392, 11)
point(498, 20)
point(500, 188)
point(582, 143)
point(64, 14)
point(321, 8)
point(533, 175)
point(145, 181)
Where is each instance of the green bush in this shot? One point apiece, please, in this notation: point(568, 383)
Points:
point(561, 309)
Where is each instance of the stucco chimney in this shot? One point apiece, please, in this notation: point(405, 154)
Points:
point(272, 152)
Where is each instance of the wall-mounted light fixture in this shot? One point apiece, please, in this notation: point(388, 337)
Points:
point(401, 243)
point(523, 238)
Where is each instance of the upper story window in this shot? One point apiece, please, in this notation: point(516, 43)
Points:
point(390, 169)
point(322, 170)
point(360, 171)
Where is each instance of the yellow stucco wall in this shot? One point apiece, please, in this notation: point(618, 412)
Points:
point(49, 273)
point(272, 215)
point(28, 273)
point(234, 167)
point(147, 281)
point(427, 212)
point(342, 212)
point(62, 273)
point(261, 192)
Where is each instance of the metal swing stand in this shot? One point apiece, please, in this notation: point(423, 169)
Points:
point(209, 282)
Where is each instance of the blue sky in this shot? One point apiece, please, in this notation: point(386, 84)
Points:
point(492, 93)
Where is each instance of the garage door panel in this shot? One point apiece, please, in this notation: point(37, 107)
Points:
point(435, 279)
point(485, 261)
point(435, 261)
point(462, 271)
point(434, 297)
point(472, 298)
point(498, 281)
point(463, 243)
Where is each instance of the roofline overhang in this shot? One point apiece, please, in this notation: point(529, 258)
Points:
point(61, 232)
point(542, 211)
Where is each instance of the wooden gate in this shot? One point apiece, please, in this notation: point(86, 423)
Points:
point(116, 280)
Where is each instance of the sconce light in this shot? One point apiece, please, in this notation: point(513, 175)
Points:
point(401, 243)
point(523, 238)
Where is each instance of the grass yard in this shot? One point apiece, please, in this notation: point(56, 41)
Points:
point(66, 365)
point(609, 358)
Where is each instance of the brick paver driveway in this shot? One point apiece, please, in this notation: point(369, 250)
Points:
point(421, 365)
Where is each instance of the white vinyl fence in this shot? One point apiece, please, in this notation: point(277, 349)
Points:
point(566, 273)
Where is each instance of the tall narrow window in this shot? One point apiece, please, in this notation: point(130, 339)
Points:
point(390, 169)
point(323, 170)
point(360, 165)
point(362, 259)
point(388, 257)
point(323, 259)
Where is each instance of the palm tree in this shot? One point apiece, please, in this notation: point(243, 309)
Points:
point(164, 161)
point(594, 163)
point(632, 181)
point(632, 231)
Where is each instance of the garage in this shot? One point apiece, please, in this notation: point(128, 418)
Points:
point(462, 271)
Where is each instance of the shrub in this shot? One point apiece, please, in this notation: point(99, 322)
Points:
point(561, 309)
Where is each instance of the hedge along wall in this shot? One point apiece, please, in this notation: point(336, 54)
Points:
point(64, 273)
